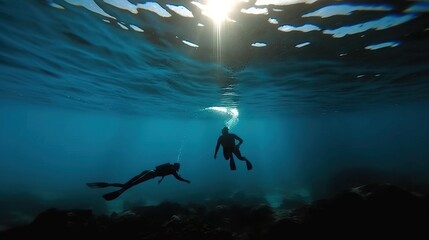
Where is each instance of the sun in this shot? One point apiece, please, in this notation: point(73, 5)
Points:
point(217, 10)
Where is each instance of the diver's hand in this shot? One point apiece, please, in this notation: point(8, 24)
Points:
point(160, 179)
point(188, 181)
point(215, 156)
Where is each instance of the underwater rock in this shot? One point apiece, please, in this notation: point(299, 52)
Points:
point(380, 209)
point(296, 201)
point(370, 210)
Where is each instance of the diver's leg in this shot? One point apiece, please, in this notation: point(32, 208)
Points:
point(136, 177)
point(232, 163)
point(239, 156)
point(144, 176)
point(227, 154)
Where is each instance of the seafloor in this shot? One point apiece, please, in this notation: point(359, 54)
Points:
point(367, 211)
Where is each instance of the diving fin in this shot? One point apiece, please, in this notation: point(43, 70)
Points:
point(113, 195)
point(249, 165)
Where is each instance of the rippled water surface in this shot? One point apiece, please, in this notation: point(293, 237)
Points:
point(170, 57)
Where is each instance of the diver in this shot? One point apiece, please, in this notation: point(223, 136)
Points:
point(229, 148)
point(159, 171)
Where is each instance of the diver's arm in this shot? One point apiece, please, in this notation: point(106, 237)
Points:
point(217, 147)
point(160, 180)
point(240, 141)
point(180, 178)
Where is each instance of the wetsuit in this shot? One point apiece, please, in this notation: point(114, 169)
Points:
point(159, 171)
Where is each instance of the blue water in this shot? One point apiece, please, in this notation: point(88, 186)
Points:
point(84, 97)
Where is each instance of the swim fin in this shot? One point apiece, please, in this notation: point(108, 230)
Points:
point(249, 165)
point(232, 165)
point(113, 195)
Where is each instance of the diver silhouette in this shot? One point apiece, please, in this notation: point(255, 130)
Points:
point(227, 140)
point(159, 171)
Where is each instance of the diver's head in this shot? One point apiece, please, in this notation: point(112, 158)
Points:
point(176, 166)
point(225, 130)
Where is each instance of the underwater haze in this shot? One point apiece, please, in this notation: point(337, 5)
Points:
point(325, 94)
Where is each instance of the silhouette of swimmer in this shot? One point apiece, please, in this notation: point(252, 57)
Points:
point(227, 140)
point(159, 171)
